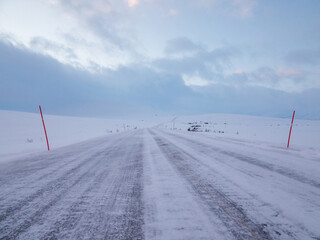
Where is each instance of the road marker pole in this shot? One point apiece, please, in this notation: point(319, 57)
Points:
point(44, 127)
point(290, 128)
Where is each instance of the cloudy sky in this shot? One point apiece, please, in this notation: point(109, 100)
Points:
point(131, 57)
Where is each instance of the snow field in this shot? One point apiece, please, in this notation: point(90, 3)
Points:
point(22, 133)
point(264, 130)
point(157, 183)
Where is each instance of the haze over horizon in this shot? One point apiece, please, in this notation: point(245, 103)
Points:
point(108, 58)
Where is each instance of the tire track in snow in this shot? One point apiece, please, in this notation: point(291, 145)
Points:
point(73, 213)
point(268, 166)
point(26, 223)
point(54, 184)
point(44, 178)
point(48, 196)
point(132, 220)
point(34, 169)
point(118, 211)
point(282, 226)
point(172, 209)
point(239, 224)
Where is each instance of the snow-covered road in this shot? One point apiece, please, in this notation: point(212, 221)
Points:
point(155, 184)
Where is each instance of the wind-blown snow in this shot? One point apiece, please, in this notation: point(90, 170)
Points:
point(22, 133)
point(234, 180)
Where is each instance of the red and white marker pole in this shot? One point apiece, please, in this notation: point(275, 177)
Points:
point(44, 127)
point(290, 128)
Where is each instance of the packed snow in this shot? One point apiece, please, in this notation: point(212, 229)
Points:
point(191, 177)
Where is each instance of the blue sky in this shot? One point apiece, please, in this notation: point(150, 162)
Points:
point(134, 57)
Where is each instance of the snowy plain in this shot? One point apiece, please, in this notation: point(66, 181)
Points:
point(232, 179)
point(22, 132)
point(271, 131)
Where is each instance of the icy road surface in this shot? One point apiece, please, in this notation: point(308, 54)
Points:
point(152, 184)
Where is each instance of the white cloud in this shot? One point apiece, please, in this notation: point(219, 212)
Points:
point(54, 2)
point(283, 79)
point(96, 38)
point(132, 3)
point(195, 80)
